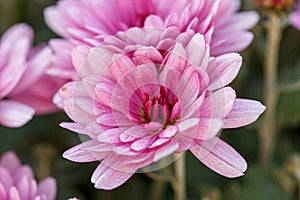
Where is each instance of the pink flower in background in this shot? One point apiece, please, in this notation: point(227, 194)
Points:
point(87, 21)
point(295, 17)
point(147, 93)
point(17, 181)
point(25, 89)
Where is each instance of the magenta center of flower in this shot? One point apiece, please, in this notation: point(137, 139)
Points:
point(163, 108)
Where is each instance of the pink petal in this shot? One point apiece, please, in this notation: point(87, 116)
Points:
point(220, 157)
point(238, 21)
point(23, 187)
point(218, 104)
point(243, 112)
point(33, 189)
point(76, 113)
point(193, 109)
point(189, 87)
point(71, 89)
point(98, 61)
point(159, 142)
point(223, 69)
point(120, 66)
point(10, 161)
point(169, 78)
point(34, 71)
point(154, 21)
point(235, 42)
point(104, 90)
point(3, 193)
point(197, 51)
point(142, 143)
point(177, 58)
point(185, 143)
point(294, 18)
point(150, 52)
point(53, 20)
point(47, 187)
point(24, 170)
point(114, 119)
point(165, 151)
point(133, 133)
point(5, 178)
point(125, 150)
point(170, 131)
point(187, 124)
point(79, 56)
point(86, 152)
point(75, 127)
point(108, 178)
point(205, 130)
point(14, 114)
point(15, 45)
point(14, 194)
point(111, 135)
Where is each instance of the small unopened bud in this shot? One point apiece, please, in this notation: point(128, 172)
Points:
point(275, 5)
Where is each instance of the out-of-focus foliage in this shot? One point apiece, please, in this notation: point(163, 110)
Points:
point(41, 142)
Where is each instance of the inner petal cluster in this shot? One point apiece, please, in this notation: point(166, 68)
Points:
point(163, 108)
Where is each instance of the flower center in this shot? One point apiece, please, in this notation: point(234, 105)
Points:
point(163, 108)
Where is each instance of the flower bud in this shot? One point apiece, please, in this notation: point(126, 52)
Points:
point(275, 5)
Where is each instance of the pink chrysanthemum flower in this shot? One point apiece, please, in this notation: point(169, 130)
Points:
point(25, 89)
point(86, 21)
point(147, 93)
point(295, 17)
point(17, 181)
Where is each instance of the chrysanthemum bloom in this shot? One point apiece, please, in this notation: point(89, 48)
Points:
point(17, 181)
point(295, 17)
point(145, 94)
point(86, 21)
point(25, 89)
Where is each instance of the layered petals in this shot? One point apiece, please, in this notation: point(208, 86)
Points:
point(17, 181)
point(162, 96)
point(25, 88)
point(224, 28)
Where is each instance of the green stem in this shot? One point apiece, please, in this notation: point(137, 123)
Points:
point(180, 187)
point(268, 127)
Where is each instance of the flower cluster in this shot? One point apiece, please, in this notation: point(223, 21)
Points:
point(17, 181)
point(150, 78)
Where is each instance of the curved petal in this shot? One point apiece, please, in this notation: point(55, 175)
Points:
point(88, 152)
point(10, 161)
point(223, 69)
point(14, 193)
point(243, 112)
point(14, 114)
point(220, 157)
point(47, 187)
point(218, 104)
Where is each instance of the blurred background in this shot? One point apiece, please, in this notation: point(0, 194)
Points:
point(41, 142)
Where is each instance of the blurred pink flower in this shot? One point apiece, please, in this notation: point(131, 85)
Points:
point(295, 17)
point(147, 93)
point(17, 181)
point(87, 21)
point(25, 89)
